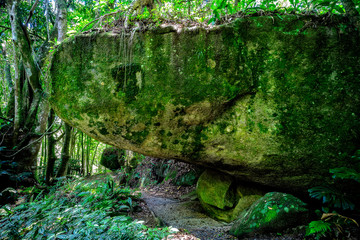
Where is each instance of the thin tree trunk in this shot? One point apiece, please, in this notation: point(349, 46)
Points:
point(87, 155)
point(11, 103)
point(19, 106)
point(73, 144)
point(65, 154)
point(51, 156)
point(47, 16)
point(93, 159)
point(22, 42)
point(61, 19)
point(83, 166)
point(45, 156)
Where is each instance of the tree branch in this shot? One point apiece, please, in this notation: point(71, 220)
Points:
point(9, 120)
point(7, 28)
point(31, 12)
point(33, 34)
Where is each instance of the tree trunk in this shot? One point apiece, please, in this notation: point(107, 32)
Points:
point(61, 19)
point(19, 106)
point(22, 43)
point(47, 16)
point(65, 153)
point(28, 101)
point(93, 159)
point(87, 155)
point(11, 103)
point(51, 156)
point(83, 166)
point(73, 143)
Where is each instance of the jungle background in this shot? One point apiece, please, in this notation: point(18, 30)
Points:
point(43, 160)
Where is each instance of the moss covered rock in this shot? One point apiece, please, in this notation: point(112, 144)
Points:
point(232, 214)
point(222, 197)
point(272, 213)
point(113, 158)
point(214, 188)
point(272, 100)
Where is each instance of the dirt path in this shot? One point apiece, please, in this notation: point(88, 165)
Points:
point(186, 215)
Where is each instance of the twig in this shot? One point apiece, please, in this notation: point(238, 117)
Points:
point(99, 18)
point(9, 120)
point(43, 135)
point(33, 34)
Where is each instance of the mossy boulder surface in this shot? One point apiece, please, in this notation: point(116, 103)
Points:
point(214, 188)
point(273, 212)
point(272, 100)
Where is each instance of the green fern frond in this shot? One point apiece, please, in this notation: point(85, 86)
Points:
point(318, 227)
point(345, 173)
point(331, 196)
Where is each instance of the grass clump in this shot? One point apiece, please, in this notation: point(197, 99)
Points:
point(77, 210)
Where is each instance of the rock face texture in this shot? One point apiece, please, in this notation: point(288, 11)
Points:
point(267, 99)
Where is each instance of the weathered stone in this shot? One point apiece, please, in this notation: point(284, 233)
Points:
point(222, 197)
point(230, 215)
point(113, 158)
point(267, 99)
point(272, 213)
point(215, 189)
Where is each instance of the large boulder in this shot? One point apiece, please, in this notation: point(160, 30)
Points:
point(272, 100)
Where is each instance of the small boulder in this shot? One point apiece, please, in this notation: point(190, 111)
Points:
point(222, 197)
point(113, 158)
point(8, 195)
point(273, 212)
point(214, 189)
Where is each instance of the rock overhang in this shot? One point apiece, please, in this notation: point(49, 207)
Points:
point(267, 99)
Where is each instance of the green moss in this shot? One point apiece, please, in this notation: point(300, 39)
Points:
point(214, 189)
point(273, 212)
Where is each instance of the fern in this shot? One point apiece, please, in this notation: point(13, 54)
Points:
point(332, 197)
point(345, 173)
point(318, 228)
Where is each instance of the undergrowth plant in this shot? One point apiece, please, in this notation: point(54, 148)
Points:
point(334, 201)
point(77, 210)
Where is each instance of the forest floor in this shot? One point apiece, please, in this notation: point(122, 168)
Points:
point(170, 205)
point(182, 212)
point(163, 203)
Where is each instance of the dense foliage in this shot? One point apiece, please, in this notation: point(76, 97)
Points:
point(337, 201)
point(77, 210)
